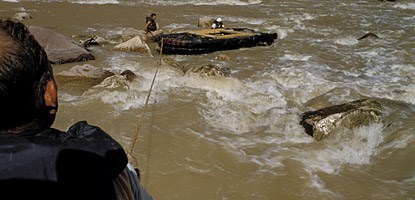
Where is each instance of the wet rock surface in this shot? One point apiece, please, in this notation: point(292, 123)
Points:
point(82, 76)
point(207, 70)
point(133, 44)
point(59, 48)
point(322, 122)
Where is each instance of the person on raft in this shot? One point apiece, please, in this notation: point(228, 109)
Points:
point(151, 24)
point(218, 23)
point(40, 162)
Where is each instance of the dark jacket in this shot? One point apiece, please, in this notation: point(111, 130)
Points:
point(49, 164)
point(153, 25)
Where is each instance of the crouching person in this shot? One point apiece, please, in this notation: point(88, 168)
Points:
point(37, 161)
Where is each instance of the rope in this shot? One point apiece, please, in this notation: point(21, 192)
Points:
point(131, 158)
point(149, 146)
point(131, 148)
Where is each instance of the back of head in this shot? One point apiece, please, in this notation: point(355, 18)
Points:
point(24, 72)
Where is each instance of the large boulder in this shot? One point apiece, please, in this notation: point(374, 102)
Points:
point(84, 76)
point(59, 48)
point(321, 123)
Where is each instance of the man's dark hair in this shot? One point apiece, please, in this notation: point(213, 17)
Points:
point(153, 14)
point(24, 73)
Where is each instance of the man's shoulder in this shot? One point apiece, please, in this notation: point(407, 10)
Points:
point(86, 136)
point(84, 152)
point(82, 128)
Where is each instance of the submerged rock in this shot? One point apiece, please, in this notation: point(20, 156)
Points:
point(224, 57)
point(116, 82)
point(206, 70)
point(368, 35)
point(174, 63)
point(201, 71)
point(129, 75)
point(321, 123)
point(93, 40)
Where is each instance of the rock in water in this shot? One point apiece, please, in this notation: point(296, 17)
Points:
point(94, 40)
point(134, 44)
point(368, 35)
point(206, 70)
point(82, 76)
point(21, 16)
point(321, 123)
point(59, 48)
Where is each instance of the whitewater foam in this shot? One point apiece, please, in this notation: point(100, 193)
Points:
point(347, 41)
point(405, 6)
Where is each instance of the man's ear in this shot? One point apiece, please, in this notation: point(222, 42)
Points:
point(51, 97)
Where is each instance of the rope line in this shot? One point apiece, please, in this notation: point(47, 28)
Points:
point(131, 148)
point(149, 145)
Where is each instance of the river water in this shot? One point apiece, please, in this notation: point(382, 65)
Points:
point(239, 137)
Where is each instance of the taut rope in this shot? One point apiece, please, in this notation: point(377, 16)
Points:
point(131, 148)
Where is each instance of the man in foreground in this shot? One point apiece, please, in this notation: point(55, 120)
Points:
point(39, 162)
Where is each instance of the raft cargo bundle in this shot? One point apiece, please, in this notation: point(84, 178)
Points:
point(211, 40)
